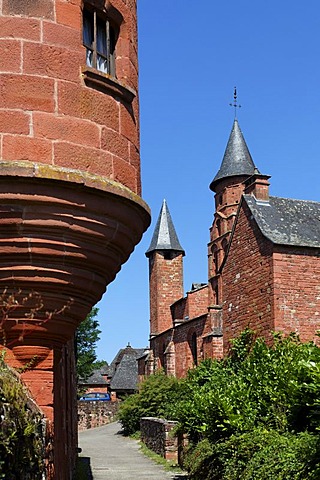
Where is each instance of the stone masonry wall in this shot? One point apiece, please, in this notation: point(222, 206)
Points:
point(166, 286)
point(297, 292)
point(157, 435)
point(95, 414)
point(182, 341)
point(61, 118)
point(247, 282)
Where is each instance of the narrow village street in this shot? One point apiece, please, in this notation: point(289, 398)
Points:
point(111, 455)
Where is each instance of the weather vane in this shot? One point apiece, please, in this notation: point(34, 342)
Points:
point(235, 102)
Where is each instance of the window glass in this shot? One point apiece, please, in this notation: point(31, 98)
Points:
point(89, 58)
point(102, 64)
point(88, 29)
point(101, 38)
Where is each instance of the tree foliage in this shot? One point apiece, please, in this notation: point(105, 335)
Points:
point(87, 337)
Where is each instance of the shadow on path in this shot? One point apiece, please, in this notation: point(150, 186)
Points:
point(84, 471)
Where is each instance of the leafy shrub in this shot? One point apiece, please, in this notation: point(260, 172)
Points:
point(154, 399)
point(274, 387)
point(21, 446)
point(258, 455)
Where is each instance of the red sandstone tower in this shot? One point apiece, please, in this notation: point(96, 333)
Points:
point(228, 184)
point(165, 275)
point(70, 204)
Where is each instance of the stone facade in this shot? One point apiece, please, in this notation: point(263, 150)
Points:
point(263, 270)
point(71, 212)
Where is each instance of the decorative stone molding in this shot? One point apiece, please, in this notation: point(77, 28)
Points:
point(65, 235)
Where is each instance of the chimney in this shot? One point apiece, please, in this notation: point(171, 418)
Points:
point(258, 186)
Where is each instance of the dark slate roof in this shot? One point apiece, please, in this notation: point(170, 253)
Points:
point(237, 159)
point(164, 236)
point(126, 374)
point(285, 221)
point(95, 379)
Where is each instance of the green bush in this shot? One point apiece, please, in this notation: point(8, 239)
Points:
point(155, 398)
point(21, 446)
point(258, 455)
point(274, 387)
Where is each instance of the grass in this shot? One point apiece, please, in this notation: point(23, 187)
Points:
point(167, 464)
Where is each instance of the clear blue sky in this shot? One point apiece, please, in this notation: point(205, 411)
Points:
point(192, 54)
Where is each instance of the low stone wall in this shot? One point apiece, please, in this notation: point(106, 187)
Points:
point(156, 435)
point(94, 414)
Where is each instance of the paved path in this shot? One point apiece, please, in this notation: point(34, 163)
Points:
point(113, 456)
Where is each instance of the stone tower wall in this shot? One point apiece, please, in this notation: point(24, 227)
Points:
point(54, 109)
point(248, 283)
point(166, 286)
point(70, 210)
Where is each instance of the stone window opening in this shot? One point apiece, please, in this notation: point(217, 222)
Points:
point(194, 348)
point(218, 225)
point(215, 257)
point(99, 39)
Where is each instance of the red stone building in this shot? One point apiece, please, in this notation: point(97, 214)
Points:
point(263, 270)
point(70, 205)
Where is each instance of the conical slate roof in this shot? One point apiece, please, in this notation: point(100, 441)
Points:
point(237, 159)
point(164, 236)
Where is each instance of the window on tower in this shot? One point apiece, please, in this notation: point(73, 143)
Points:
point(99, 38)
point(194, 348)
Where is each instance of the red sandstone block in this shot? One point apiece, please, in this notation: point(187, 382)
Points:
point(115, 143)
point(63, 36)
point(125, 173)
point(51, 61)
point(27, 92)
point(123, 47)
point(83, 158)
point(134, 156)
point(128, 125)
point(10, 55)
point(84, 102)
point(127, 72)
point(68, 14)
point(29, 8)
point(66, 128)
point(133, 56)
point(12, 121)
point(16, 147)
point(40, 383)
point(23, 28)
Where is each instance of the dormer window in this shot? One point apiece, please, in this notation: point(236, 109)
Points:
point(99, 38)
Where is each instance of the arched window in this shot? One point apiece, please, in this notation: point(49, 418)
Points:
point(218, 224)
point(194, 349)
point(215, 257)
point(162, 349)
point(224, 245)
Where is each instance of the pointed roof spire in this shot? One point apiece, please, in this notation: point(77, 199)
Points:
point(237, 159)
point(164, 236)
